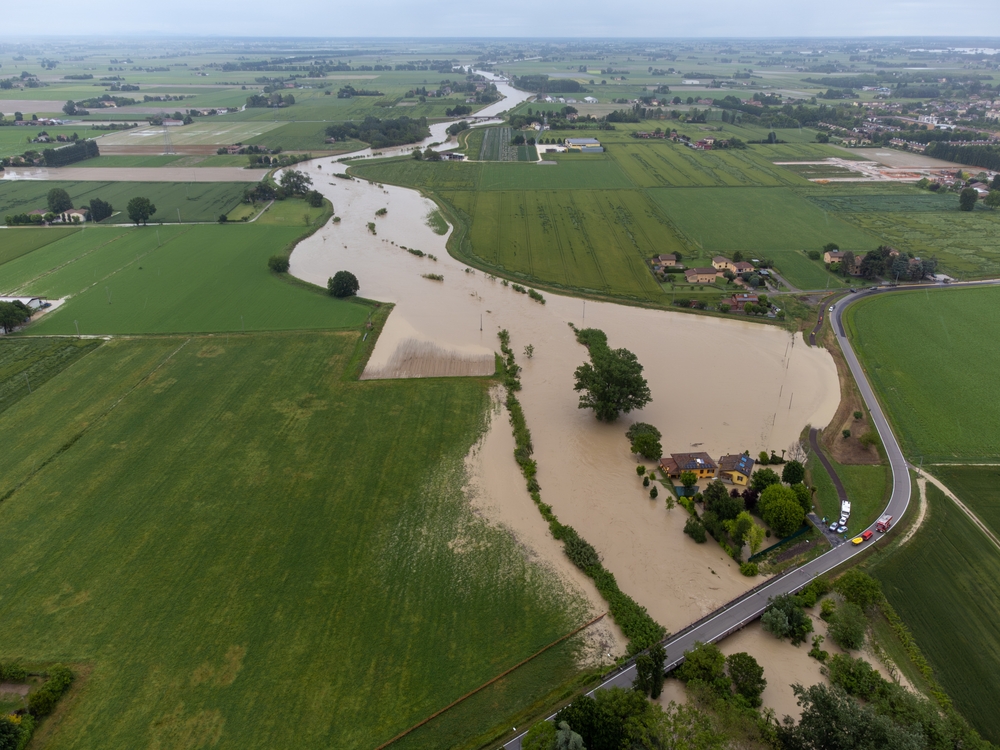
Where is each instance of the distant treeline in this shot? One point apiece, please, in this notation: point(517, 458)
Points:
point(60, 157)
point(381, 133)
point(985, 157)
point(545, 85)
point(319, 68)
point(349, 91)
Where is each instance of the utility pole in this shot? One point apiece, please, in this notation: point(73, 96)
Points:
point(77, 324)
point(27, 381)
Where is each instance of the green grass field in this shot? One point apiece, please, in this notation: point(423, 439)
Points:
point(978, 487)
point(866, 488)
point(935, 383)
point(196, 201)
point(174, 279)
point(15, 140)
point(245, 546)
point(667, 164)
point(944, 584)
point(21, 241)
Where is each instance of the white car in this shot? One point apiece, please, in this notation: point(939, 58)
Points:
point(842, 529)
point(831, 308)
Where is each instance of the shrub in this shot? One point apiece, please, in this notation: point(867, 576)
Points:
point(846, 434)
point(764, 478)
point(640, 470)
point(869, 439)
point(43, 701)
point(858, 415)
point(653, 493)
point(859, 588)
point(223, 218)
point(749, 569)
point(827, 609)
point(816, 652)
point(784, 617)
point(793, 472)
point(434, 277)
point(13, 672)
point(694, 528)
point(536, 296)
point(645, 481)
point(278, 264)
point(580, 552)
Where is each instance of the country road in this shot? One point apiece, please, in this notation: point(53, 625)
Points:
point(745, 609)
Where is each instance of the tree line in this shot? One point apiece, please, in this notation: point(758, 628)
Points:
point(381, 133)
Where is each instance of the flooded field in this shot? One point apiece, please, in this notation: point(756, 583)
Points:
point(718, 385)
point(135, 174)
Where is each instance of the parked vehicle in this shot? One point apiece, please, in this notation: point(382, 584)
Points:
point(883, 523)
point(842, 529)
point(857, 540)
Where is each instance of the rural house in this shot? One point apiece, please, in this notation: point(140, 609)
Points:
point(742, 298)
point(701, 275)
point(833, 256)
point(668, 260)
point(736, 468)
point(722, 263)
point(741, 266)
point(700, 463)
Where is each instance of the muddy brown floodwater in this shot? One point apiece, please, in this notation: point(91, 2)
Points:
point(718, 385)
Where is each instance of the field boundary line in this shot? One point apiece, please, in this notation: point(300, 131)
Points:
point(68, 262)
point(97, 420)
point(962, 506)
point(487, 684)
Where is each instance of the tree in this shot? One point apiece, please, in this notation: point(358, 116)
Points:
point(314, 198)
point(542, 736)
point(848, 626)
point(13, 314)
point(993, 199)
point(718, 500)
point(567, 739)
point(295, 182)
point(688, 479)
point(755, 538)
point(764, 478)
point(780, 509)
point(793, 472)
point(833, 720)
point(278, 264)
point(59, 201)
point(100, 210)
point(343, 284)
point(10, 732)
point(612, 383)
point(739, 528)
point(705, 664)
point(804, 496)
point(649, 671)
point(859, 588)
point(647, 446)
point(785, 617)
point(747, 677)
point(995, 185)
point(967, 199)
point(140, 210)
point(695, 529)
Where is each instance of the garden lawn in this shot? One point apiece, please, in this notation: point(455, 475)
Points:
point(936, 380)
point(866, 489)
point(184, 279)
point(196, 201)
point(245, 547)
point(944, 584)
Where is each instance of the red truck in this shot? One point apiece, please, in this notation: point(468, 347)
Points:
point(883, 523)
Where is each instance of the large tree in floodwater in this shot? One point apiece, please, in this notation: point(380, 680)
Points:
point(611, 383)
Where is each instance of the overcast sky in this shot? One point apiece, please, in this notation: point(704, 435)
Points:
point(515, 18)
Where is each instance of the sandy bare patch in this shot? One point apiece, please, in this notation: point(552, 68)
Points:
point(19, 689)
point(136, 174)
point(497, 493)
point(921, 512)
point(413, 358)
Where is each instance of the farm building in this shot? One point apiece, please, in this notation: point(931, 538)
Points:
point(737, 468)
point(700, 463)
point(33, 303)
point(700, 275)
point(590, 100)
point(586, 145)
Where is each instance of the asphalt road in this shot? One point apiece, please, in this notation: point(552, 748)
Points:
point(746, 609)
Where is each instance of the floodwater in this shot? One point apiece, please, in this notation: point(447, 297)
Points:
point(718, 386)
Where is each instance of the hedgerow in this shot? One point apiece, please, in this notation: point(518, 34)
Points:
point(641, 629)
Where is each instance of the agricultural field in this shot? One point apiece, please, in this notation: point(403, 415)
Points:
point(21, 241)
point(16, 140)
point(179, 279)
point(940, 413)
point(214, 131)
point(196, 201)
point(666, 164)
point(758, 220)
point(978, 487)
point(591, 240)
point(944, 584)
point(258, 568)
point(162, 160)
point(576, 172)
point(27, 364)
